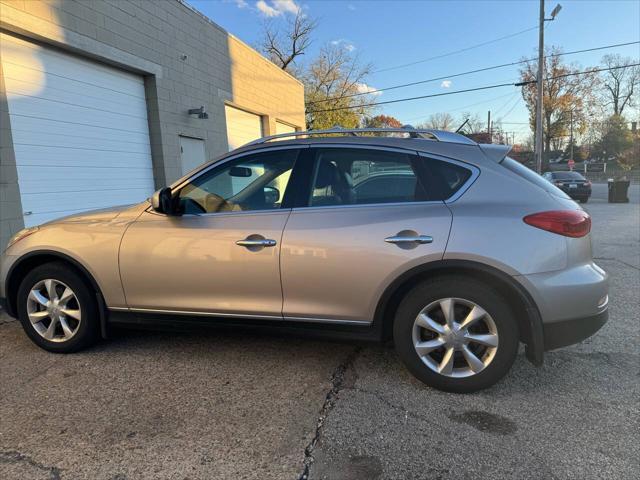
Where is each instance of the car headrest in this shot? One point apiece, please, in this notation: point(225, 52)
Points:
point(327, 175)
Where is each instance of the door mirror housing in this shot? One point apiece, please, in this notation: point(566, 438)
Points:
point(271, 195)
point(162, 202)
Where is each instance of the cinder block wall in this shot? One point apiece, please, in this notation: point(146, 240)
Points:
point(186, 59)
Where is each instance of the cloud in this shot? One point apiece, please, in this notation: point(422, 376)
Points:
point(351, 7)
point(364, 88)
point(241, 3)
point(348, 46)
point(276, 8)
point(446, 84)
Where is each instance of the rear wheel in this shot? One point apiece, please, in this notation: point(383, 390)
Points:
point(57, 309)
point(456, 334)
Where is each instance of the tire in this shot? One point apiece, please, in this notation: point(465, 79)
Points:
point(584, 200)
point(80, 332)
point(495, 361)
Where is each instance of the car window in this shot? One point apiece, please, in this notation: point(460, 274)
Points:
point(345, 176)
point(446, 178)
point(567, 176)
point(253, 182)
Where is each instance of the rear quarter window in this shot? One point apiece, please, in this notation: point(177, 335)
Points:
point(446, 179)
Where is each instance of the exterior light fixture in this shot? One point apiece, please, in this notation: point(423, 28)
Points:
point(200, 112)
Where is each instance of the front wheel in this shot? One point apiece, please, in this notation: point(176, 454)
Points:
point(456, 334)
point(57, 309)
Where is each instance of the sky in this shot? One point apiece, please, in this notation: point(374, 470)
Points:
point(388, 34)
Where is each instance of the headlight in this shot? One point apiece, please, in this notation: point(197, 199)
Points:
point(21, 234)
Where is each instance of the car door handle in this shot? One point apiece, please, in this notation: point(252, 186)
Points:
point(251, 242)
point(409, 239)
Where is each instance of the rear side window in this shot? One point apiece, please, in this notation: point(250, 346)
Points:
point(346, 176)
point(357, 176)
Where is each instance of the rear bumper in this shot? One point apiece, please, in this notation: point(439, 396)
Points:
point(568, 332)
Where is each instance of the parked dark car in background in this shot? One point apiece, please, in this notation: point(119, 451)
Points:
point(571, 183)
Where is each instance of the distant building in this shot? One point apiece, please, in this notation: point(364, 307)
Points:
point(95, 99)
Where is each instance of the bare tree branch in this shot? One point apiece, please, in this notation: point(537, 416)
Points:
point(283, 48)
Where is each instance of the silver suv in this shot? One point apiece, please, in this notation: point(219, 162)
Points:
point(450, 248)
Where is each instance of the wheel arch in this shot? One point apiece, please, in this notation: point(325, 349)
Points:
point(520, 301)
point(34, 259)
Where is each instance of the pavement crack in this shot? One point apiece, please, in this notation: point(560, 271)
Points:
point(337, 384)
point(13, 456)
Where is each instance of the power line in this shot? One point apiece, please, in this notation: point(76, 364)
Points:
point(487, 87)
point(466, 106)
point(466, 49)
point(469, 72)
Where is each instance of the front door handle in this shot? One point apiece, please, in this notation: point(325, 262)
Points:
point(256, 242)
point(409, 239)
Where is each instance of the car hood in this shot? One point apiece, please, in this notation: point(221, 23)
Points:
point(102, 214)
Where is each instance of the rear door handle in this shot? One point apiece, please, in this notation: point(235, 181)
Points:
point(254, 242)
point(409, 239)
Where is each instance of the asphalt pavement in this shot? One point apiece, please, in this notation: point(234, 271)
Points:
point(232, 405)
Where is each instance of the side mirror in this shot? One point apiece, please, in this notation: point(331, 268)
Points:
point(271, 195)
point(161, 201)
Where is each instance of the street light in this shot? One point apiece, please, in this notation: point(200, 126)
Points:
point(539, 89)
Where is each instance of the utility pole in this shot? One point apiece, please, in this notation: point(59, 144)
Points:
point(538, 145)
point(539, 89)
point(571, 136)
point(489, 124)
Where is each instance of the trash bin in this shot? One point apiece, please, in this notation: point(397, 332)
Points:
point(618, 190)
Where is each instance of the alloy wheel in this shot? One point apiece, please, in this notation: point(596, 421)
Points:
point(53, 310)
point(455, 337)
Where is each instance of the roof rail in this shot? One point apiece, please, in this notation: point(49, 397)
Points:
point(428, 134)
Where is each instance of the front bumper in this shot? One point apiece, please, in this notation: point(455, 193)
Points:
point(567, 332)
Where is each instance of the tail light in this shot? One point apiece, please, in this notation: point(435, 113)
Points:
point(570, 223)
point(587, 183)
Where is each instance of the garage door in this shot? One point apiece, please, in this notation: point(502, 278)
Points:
point(284, 128)
point(79, 129)
point(242, 127)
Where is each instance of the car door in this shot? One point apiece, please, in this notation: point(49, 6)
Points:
point(221, 256)
point(339, 252)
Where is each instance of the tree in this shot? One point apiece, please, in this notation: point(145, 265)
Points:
point(439, 121)
point(335, 89)
point(564, 93)
point(284, 47)
point(630, 158)
point(620, 85)
point(616, 138)
point(382, 121)
point(475, 124)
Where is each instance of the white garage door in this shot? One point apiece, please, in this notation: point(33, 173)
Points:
point(242, 127)
point(284, 128)
point(80, 131)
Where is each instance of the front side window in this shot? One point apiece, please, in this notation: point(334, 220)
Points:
point(253, 182)
point(346, 176)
